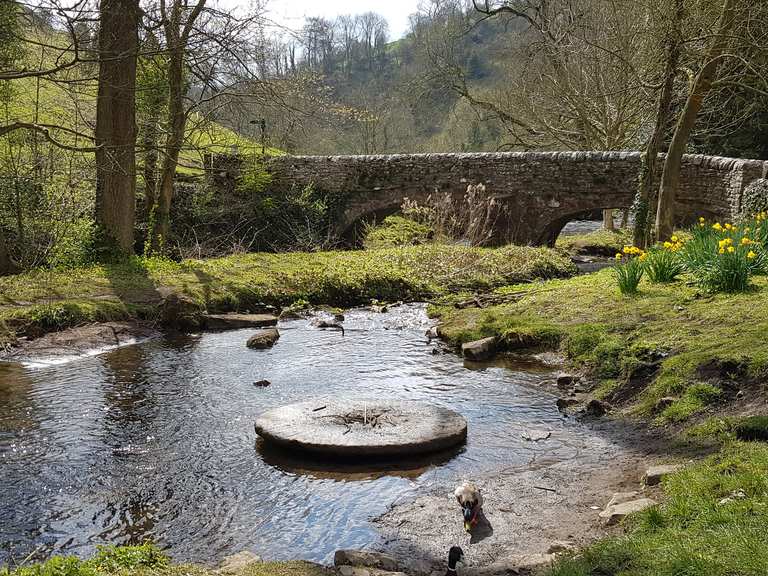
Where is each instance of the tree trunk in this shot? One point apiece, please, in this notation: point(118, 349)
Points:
point(608, 219)
point(176, 125)
point(646, 197)
point(176, 38)
point(7, 266)
point(702, 84)
point(116, 123)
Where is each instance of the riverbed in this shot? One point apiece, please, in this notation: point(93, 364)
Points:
point(155, 441)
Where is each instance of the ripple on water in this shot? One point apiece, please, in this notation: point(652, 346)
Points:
point(156, 440)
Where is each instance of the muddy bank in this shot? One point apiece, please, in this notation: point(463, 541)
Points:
point(72, 343)
point(529, 510)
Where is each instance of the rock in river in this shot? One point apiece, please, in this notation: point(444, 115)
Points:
point(479, 349)
point(236, 321)
point(263, 339)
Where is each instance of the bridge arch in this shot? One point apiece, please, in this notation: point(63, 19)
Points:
point(541, 190)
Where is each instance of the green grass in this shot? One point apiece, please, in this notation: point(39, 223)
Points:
point(45, 300)
point(599, 242)
point(674, 325)
point(397, 231)
point(147, 560)
point(713, 522)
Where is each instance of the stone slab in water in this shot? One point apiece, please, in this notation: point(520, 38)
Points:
point(362, 428)
point(236, 321)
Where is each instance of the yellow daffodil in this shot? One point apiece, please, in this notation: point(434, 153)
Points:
point(702, 219)
point(674, 239)
point(717, 226)
point(667, 244)
point(731, 249)
point(746, 241)
point(751, 255)
point(641, 257)
point(728, 226)
point(721, 251)
point(618, 256)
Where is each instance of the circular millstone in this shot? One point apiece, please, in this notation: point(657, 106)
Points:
point(363, 428)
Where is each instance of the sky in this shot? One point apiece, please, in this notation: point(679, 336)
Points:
point(291, 13)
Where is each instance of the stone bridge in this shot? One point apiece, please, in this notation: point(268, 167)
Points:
point(542, 191)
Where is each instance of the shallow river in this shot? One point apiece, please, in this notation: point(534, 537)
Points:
point(156, 441)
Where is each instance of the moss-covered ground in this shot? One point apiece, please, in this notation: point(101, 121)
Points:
point(147, 560)
point(50, 299)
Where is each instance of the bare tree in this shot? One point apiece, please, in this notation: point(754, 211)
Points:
point(740, 28)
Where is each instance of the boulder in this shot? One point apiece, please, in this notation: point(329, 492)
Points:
point(180, 311)
point(596, 408)
point(655, 474)
point(263, 339)
point(566, 381)
point(365, 558)
point(479, 349)
point(238, 321)
point(564, 403)
point(237, 562)
point(615, 513)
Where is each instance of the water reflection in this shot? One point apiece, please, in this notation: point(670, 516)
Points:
point(156, 440)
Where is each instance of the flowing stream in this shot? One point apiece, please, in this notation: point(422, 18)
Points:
point(155, 440)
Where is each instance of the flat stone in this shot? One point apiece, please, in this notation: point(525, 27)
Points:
point(655, 474)
point(360, 428)
point(536, 435)
point(263, 339)
point(560, 546)
point(365, 558)
point(621, 497)
point(237, 562)
point(479, 349)
point(238, 321)
point(614, 514)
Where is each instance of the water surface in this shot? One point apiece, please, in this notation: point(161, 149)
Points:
point(156, 441)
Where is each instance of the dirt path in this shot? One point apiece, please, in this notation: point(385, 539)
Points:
point(528, 509)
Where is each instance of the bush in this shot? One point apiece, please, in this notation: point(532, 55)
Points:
point(629, 269)
point(470, 220)
point(397, 231)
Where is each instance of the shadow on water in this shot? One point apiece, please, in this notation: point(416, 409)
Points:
point(326, 468)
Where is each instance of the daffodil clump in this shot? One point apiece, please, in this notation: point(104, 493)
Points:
point(663, 262)
point(629, 269)
point(721, 257)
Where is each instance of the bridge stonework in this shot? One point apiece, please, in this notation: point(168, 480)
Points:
point(541, 190)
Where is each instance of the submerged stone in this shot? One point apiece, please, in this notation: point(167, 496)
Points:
point(263, 339)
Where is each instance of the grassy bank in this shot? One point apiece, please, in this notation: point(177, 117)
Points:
point(676, 358)
point(48, 300)
point(147, 560)
point(671, 341)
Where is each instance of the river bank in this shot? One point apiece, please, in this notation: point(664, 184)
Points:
point(175, 294)
point(680, 372)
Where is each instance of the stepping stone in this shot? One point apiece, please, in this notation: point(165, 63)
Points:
point(238, 321)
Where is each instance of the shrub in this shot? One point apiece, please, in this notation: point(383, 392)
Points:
point(663, 262)
point(470, 220)
point(629, 269)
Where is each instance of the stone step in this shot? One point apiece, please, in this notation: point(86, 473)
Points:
point(237, 321)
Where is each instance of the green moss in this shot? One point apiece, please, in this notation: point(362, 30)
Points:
point(397, 231)
point(48, 300)
point(599, 242)
point(148, 560)
point(713, 523)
